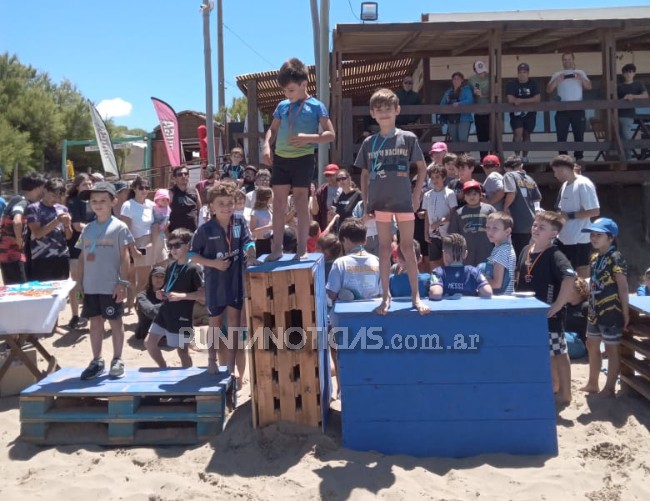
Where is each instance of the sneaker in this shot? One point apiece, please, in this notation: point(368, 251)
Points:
point(524, 159)
point(94, 369)
point(83, 322)
point(74, 322)
point(117, 369)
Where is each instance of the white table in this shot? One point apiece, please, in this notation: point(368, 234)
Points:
point(28, 312)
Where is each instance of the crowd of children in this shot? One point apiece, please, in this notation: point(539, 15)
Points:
point(369, 241)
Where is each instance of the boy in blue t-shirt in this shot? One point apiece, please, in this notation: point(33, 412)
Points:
point(294, 130)
point(454, 279)
point(222, 246)
point(500, 266)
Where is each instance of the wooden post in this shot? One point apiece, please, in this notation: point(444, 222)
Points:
point(253, 133)
point(608, 46)
point(496, 124)
point(346, 132)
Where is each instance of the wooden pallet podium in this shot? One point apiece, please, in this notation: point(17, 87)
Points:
point(146, 407)
point(635, 347)
point(287, 325)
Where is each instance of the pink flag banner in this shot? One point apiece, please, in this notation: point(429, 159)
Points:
point(169, 128)
point(103, 142)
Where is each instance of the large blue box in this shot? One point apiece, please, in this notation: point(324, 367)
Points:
point(473, 377)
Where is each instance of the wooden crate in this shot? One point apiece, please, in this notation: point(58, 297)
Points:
point(635, 348)
point(288, 357)
point(146, 407)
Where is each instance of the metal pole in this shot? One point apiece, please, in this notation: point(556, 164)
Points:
point(64, 158)
point(316, 30)
point(220, 71)
point(323, 82)
point(207, 52)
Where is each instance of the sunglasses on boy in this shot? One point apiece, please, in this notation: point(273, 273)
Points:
point(176, 245)
point(181, 174)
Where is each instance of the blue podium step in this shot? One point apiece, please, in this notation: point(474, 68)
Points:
point(146, 407)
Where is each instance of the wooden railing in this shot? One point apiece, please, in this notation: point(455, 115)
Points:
point(609, 111)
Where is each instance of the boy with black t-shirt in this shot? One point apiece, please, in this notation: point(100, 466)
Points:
point(183, 281)
point(544, 270)
point(608, 304)
point(223, 246)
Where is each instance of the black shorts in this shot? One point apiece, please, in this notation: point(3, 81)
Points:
point(435, 248)
point(215, 311)
point(103, 305)
point(578, 254)
point(418, 234)
point(51, 268)
point(527, 122)
point(13, 273)
point(296, 172)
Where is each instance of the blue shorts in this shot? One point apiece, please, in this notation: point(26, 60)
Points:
point(216, 311)
point(609, 335)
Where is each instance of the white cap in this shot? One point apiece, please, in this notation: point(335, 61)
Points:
point(480, 67)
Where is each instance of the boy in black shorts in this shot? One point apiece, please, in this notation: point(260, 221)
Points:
point(295, 132)
point(103, 268)
point(222, 246)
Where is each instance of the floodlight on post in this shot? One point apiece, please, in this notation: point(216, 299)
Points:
point(369, 11)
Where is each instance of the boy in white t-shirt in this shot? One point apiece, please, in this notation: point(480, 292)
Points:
point(438, 204)
point(355, 275)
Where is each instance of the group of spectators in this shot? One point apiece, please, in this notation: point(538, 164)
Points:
point(567, 84)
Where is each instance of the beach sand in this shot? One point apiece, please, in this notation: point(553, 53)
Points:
point(604, 456)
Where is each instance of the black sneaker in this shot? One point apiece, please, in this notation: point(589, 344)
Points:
point(83, 323)
point(117, 369)
point(74, 322)
point(94, 369)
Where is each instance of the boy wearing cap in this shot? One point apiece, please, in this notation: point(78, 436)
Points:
point(608, 304)
point(522, 91)
point(480, 84)
point(325, 196)
point(103, 270)
point(470, 221)
point(493, 184)
point(437, 151)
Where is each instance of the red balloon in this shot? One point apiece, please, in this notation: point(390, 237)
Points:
point(202, 132)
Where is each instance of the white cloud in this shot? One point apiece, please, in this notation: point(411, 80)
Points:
point(112, 108)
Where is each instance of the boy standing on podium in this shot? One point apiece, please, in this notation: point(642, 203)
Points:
point(386, 158)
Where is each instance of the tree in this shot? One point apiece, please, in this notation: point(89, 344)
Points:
point(236, 112)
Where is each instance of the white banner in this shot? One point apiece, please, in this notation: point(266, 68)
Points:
point(103, 142)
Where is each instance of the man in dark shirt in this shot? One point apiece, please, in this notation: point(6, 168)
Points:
point(629, 90)
point(407, 97)
point(522, 91)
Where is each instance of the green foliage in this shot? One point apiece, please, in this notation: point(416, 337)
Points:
point(38, 114)
point(236, 112)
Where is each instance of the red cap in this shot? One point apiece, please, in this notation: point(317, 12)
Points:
point(331, 169)
point(472, 185)
point(492, 160)
point(438, 147)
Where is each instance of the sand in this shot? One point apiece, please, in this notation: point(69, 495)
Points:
point(604, 456)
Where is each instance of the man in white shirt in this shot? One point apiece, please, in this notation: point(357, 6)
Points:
point(578, 203)
point(569, 84)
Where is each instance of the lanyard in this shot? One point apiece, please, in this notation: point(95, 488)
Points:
point(290, 118)
point(173, 276)
point(377, 150)
point(99, 232)
point(600, 263)
point(228, 235)
point(529, 266)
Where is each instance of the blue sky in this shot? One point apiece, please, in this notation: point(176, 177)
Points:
point(123, 52)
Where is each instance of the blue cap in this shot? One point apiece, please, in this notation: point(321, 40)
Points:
point(603, 225)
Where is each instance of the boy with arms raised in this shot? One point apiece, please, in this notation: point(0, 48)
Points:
point(546, 271)
point(295, 131)
point(103, 271)
point(608, 304)
point(501, 264)
point(385, 158)
point(223, 246)
point(454, 278)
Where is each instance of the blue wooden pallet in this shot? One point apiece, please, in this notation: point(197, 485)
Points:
point(146, 407)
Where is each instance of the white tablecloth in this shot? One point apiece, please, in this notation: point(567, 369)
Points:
point(23, 314)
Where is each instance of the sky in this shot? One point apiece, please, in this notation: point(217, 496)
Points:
point(119, 53)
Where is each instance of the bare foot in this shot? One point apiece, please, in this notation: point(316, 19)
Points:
point(589, 388)
point(422, 308)
point(212, 367)
point(382, 309)
point(274, 256)
point(299, 256)
point(562, 402)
